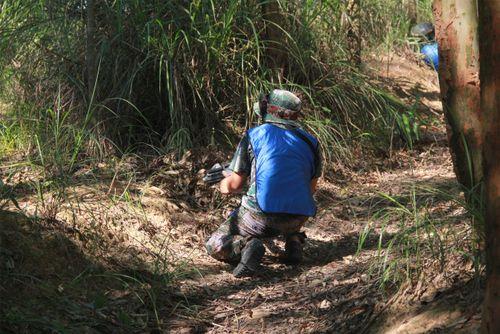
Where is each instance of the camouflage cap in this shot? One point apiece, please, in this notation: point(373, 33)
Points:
point(280, 100)
point(423, 29)
point(283, 99)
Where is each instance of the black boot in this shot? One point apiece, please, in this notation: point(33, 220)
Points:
point(251, 255)
point(293, 252)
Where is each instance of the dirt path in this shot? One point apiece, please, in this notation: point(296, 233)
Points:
point(130, 230)
point(333, 291)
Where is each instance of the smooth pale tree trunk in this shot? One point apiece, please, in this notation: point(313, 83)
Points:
point(489, 32)
point(456, 33)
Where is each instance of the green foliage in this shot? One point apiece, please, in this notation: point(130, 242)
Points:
point(12, 138)
point(407, 125)
point(411, 235)
point(388, 22)
point(171, 72)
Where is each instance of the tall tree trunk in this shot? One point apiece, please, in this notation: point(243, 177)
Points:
point(276, 52)
point(489, 30)
point(456, 32)
point(353, 31)
point(412, 9)
point(91, 50)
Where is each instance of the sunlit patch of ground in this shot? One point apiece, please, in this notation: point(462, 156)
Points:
point(122, 251)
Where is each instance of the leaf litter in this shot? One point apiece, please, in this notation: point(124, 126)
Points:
point(142, 235)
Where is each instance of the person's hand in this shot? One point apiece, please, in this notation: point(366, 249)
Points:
point(233, 183)
point(226, 173)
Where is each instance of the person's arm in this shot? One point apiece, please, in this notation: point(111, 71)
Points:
point(240, 168)
point(233, 183)
point(314, 185)
point(318, 169)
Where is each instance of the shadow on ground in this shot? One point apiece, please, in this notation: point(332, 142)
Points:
point(435, 191)
point(328, 286)
point(456, 309)
point(278, 278)
point(47, 284)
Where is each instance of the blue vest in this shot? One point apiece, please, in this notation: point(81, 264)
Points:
point(430, 52)
point(284, 169)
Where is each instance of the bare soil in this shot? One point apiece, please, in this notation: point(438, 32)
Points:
point(123, 252)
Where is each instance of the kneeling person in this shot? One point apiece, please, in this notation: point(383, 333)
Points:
point(283, 162)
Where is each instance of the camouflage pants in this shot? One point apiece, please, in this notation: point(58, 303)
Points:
point(226, 243)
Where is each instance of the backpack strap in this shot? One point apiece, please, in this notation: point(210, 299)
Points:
point(314, 148)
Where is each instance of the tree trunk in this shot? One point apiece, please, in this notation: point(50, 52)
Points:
point(351, 23)
point(91, 50)
point(456, 32)
point(276, 52)
point(412, 9)
point(489, 30)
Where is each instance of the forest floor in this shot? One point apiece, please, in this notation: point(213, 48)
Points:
point(121, 252)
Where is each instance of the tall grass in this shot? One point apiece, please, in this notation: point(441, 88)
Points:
point(387, 23)
point(170, 72)
point(411, 237)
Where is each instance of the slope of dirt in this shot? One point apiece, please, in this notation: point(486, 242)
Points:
point(334, 291)
point(144, 267)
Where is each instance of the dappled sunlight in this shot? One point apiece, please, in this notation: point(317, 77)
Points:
point(113, 112)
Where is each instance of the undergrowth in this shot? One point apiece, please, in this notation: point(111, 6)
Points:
point(156, 78)
point(174, 75)
point(106, 277)
point(417, 239)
